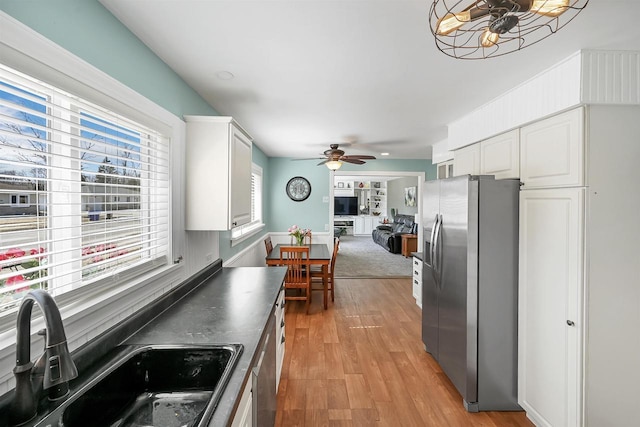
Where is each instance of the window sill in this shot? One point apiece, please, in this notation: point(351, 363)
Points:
point(139, 291)
point(251, 232)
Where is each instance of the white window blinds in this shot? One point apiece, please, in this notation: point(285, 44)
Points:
point(256, 206)
point(84, 192)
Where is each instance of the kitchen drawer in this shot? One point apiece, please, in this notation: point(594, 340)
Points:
point(416, 280)
point(280, 335)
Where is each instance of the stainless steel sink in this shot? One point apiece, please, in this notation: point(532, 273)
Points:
point(151, 386)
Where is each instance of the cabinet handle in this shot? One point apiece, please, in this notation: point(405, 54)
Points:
point(282, 323)
point(570, 323)
point(282, 340)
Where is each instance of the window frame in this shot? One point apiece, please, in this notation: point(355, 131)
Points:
point(94, 309)
point(243, 232)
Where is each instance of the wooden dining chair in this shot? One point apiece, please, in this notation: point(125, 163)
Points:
point(296, 259)
point(268, 245)
point(317, 275)
point(307, 238)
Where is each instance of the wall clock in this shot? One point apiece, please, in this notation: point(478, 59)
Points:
point(298, 188)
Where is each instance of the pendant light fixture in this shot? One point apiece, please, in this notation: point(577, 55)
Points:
point(478, 29)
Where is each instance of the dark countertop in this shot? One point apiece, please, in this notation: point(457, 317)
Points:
point(231, 307)
point(417, 255)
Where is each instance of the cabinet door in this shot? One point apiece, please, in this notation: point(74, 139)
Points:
point(280, 336)
point(552, 151)
point(244, 414)
point(466, 161)
point(240, 179)
point(445, 170)
point(369, 224)
point(550, 315)
point(500, 155)
point(358, 225)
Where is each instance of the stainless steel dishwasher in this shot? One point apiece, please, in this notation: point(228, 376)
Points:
point(264, 380)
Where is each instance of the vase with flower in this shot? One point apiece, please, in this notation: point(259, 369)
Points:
point(298, 234)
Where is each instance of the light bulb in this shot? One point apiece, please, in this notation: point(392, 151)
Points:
point(451, 22)
point(488, 38)
point(549, 7)
point(334, 164)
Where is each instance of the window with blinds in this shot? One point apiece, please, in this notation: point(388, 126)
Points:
point(84, 192)
point(256, 207)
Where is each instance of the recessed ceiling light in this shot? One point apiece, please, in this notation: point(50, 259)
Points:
point(384, 154)
point(224, 75)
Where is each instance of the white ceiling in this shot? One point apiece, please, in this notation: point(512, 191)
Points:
point(308, 73)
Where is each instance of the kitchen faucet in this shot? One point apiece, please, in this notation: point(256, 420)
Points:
point(52, 370)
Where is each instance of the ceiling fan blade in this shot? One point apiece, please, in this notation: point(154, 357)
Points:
point(322, 163)
point(358, 156)
point(354, 161)
point(309, 158)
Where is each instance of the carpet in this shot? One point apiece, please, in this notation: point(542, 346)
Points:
point(359, 256)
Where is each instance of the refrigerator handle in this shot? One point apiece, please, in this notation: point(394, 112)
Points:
point(432, 252)
point(437, 262)
point(432, 243)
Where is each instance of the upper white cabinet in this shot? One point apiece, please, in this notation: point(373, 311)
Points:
point(552, 151)
point(445, 169)
point(218, 173)
point(500, 155)
point(466, 161)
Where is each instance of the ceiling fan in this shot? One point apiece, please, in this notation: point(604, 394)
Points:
point(475, 29)
point(334, 157)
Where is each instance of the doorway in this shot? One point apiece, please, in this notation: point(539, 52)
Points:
point(379, 194)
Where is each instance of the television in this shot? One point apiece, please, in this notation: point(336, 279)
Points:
point(345, 205)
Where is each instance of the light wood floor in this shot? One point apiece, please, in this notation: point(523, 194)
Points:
point(362, 363)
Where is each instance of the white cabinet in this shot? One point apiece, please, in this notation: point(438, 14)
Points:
point(417, 280)
point(358, 226)
point(466, 160)
point(445, 169)
point(218, 174)
point(500, 155)
point(552, 151)
point(364, 224)
point(244, 414)
point(579, 263)
point(280, 336)
point(550, 305)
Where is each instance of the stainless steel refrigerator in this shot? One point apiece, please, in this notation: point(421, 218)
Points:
point(469, 287)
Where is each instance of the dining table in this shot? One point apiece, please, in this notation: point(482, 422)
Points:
point(318, 255)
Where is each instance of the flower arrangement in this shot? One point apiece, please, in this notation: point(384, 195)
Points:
point(298, 233)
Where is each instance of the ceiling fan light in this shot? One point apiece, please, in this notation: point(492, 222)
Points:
point(549, 7)
point(451, 22)
point(488, 38)
point(334, 164)
point(517, 23)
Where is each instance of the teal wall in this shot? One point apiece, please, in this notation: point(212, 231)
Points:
point(88, 30)
point(313, 213)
